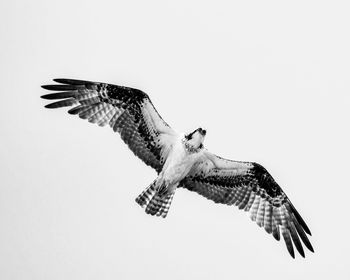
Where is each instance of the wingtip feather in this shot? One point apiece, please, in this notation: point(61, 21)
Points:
point(299, 219)
point(47, 87)
point(60, 87)
point(61, 103)
point(311, 249)
point(72, 81)
point(50, 106)
point(59, 95)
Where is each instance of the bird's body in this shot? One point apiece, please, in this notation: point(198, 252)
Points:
point(178, 163)
point(181, 160)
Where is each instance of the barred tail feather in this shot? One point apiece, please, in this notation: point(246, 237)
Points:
point(156, 202)
point(159, 205)
point(145, 197)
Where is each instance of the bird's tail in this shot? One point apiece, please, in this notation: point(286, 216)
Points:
point(155, 203)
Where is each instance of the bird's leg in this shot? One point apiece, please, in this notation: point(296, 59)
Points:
point(162, 189)
point(161, 184)
point(167, 189)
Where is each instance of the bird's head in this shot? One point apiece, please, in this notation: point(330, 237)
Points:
point(195, 139)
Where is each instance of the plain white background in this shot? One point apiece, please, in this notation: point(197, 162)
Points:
point(269, 80)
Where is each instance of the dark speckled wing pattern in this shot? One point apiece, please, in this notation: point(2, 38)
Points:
point(250, 187)
point(128, 111)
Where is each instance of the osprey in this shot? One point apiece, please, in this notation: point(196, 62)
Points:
point(180, 160)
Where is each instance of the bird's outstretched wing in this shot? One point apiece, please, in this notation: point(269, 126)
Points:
point(250, 187)
point(128, 111)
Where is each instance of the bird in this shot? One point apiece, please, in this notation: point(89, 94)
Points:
point(181, 160)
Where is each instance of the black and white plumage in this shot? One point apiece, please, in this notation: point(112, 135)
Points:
point(180, 160)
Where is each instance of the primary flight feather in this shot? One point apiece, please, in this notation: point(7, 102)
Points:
point(180, 159)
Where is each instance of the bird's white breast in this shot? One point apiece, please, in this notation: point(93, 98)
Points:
point(178, 163)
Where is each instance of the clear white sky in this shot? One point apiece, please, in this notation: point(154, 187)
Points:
point(269, 80)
